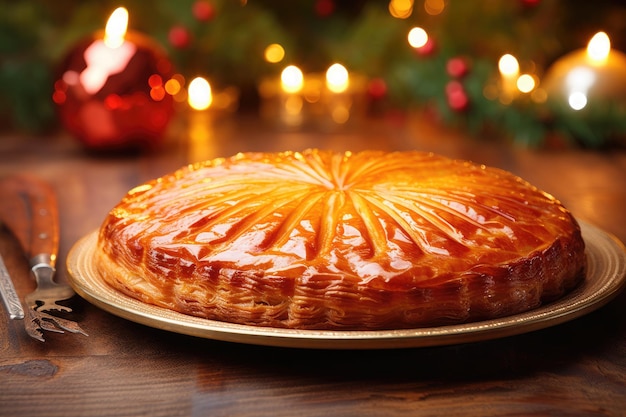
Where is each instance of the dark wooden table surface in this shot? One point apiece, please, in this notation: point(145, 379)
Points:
point(127, 369)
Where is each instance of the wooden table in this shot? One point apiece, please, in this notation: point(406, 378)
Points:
point(127, 369)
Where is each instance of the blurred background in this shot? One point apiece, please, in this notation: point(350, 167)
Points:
point(518, 70)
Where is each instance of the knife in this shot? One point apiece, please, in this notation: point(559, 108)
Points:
point(9, 295)
point(11, 208)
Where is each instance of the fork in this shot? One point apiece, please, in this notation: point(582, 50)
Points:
point(45, 298)
point(29, 210)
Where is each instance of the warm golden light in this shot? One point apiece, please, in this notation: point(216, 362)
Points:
point(107, 56)
point(539, 95)
point(508, 65)
point(417, 37)
point(172, 86)
point(401, 9)
point(340, 114)
point(599, 47)
point(292, 79)
point(589, 77)
point(199, 92)
point(577, 100)
point(578, 82)
point(337, 78)
point(526, 83)
point(175, 87)
point(116, 28)
point(274, 53)
point(434, 7)
point(293, 105)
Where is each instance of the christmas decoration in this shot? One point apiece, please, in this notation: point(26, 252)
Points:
point(456, 95)
point(110, 92)
point(588, 83)
point(226, 41)
point(377, 89)
point(457, 67)
point(203, 10)
point(179, 37)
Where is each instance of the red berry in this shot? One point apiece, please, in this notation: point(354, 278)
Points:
point(458, 102)
point(531, 3)
point(179, 37)
point(377, 88)
point(324, 8)
point(203, 10)
point(428, 48)
point(457, 67)
point(457, 97)
point(454, 87)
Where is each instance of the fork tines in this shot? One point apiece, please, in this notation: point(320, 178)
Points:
point(38, 321)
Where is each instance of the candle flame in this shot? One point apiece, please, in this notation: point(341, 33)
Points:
point(199, 92)
point(599, 47)
point(417, 37)
point(116, 28)
point(508, 65)
point(292, 79)
point(337, 78)
point(108, 56)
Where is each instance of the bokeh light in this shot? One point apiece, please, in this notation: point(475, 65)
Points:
point(292, 79)
point(274, 53)
point(200, 96)
point(337, 78)
point(417, 37)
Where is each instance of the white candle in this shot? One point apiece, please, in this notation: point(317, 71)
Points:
point(107, 56)
point(596, 75)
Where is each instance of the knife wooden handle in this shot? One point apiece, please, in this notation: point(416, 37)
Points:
point(28, 208)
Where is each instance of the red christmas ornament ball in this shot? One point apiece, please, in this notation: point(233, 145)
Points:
point(115, 98)
point(203, 10)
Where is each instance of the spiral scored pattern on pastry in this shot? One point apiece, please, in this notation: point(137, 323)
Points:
point(323, 240)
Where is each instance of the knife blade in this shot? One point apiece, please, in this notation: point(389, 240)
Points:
point(9, 295)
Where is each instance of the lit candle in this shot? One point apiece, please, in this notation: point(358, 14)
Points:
point(199, 94)
point(596, 74)
point(108, 56)
point(200, 133)
point(337, 78)
point(292, 83)
point(292, 79)
point(509, 73)
point(111, 88)
point(339, 103)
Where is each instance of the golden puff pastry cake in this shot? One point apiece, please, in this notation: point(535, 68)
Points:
point(325, 240)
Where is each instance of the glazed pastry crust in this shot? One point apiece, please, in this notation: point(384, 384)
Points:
point(323, 240)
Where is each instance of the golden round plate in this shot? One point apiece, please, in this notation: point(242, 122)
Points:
point(605, 278)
